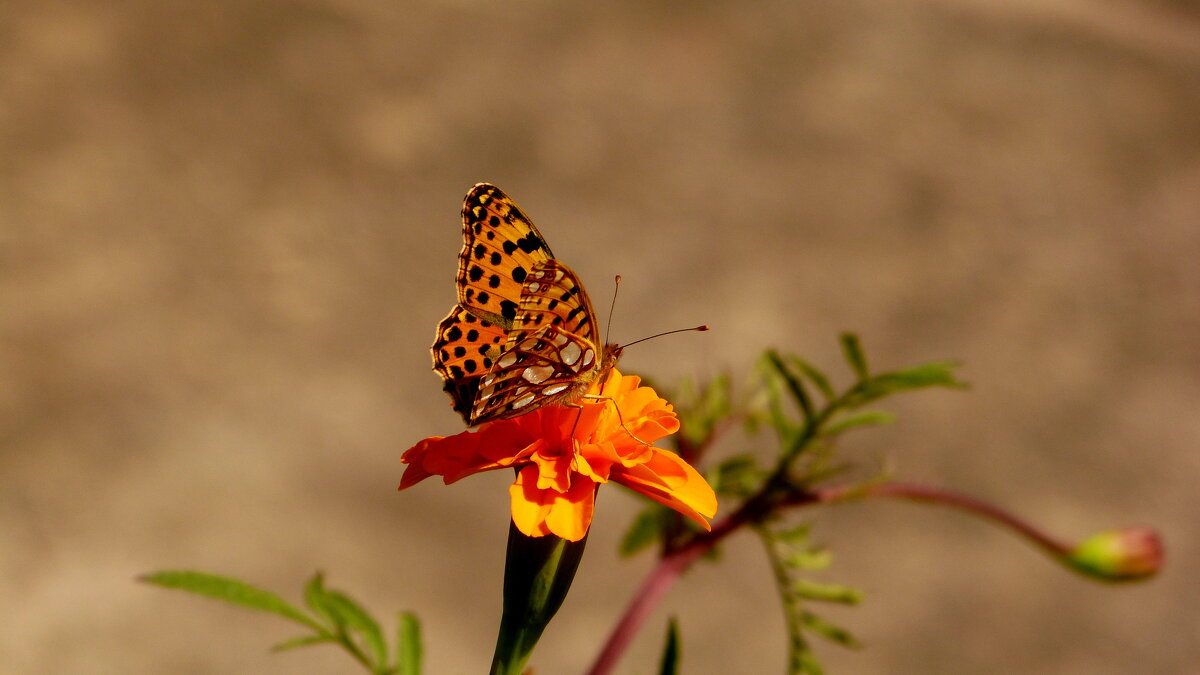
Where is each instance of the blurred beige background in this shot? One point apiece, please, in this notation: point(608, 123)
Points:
point(227, 230)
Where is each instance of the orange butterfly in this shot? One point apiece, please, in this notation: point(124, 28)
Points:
point(523, 334)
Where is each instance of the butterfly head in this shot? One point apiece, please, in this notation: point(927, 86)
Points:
point(612, 353)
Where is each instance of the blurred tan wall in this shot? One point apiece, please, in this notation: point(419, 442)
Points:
point(227, 230)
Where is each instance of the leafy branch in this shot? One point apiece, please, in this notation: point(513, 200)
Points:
point(332, 618)
point(809, 416)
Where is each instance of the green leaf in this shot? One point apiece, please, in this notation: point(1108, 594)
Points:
point(936, 374)
point(645, 529)
point(408, 645)
point(230, 590)
point(802, 660)
point(671, 656)
point(814, 559)
point(816, 624)
point(854, 355)
point(715, 398)
point(811, 590)
point(867, 418)
point(793, 535)
point(304, 641)
point(317, 600)
point(738, 476)
point(818, 378)
point(772, 393)
point(702, 407)
point(353, 616)
point(794, 384)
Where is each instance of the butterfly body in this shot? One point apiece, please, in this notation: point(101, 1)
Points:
point(523, 333)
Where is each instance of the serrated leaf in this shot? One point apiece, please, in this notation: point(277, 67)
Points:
point(867, 418)
point(853, 352)
point(408, 645)
point(819, 626)
point(303, 641)
point(354, 617)
point(811, 590)
point(818, 378)
point(230, 590)
point(671, 654)
point(645, 529)
point(813, 559)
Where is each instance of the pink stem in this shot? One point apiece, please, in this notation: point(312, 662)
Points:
point(656, 586)
point(919, 493)
point(676, 562)
point(651, 591)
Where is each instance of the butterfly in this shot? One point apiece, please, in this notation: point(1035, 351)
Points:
point(523, 334)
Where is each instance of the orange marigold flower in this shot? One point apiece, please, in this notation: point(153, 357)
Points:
point(559, 471)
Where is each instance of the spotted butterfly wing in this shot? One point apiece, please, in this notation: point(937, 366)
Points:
point(500, 246)
point(523, 319)
point(552, 353)
point(465, 349)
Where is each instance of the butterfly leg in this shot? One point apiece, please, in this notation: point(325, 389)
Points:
point(621, 419)
point(578, 413)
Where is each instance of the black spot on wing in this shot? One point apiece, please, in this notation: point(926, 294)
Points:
point(530, 243)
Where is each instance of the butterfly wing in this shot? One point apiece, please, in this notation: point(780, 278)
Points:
point(465, 349)
point(500, 246)
point(551, 354)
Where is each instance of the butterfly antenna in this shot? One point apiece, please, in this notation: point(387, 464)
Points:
point(613, 306)
point(677, 330)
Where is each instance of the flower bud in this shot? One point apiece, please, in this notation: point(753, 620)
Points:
point(1131, 554)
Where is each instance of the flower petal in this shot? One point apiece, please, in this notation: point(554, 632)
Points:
point(565, 452)
point(670, 481)
point(537, 512)
point(454, 457)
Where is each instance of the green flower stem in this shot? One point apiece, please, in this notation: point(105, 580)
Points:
point(537, 575)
